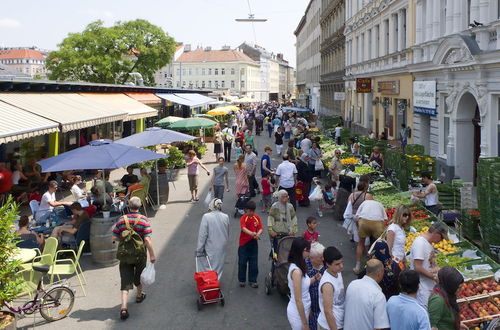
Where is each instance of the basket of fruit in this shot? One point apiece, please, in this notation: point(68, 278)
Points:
point(473, 313)
point(478, 288)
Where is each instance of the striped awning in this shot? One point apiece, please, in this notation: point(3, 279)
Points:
point(17, 124)
point(121, 102)
point(71, 110)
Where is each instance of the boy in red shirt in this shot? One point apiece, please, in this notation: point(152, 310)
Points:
point(310, 234)
point(266, 192)
point(251, 230)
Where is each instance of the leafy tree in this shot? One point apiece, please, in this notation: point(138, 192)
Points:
point(102, 54)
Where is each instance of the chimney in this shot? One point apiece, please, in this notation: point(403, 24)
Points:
point(225, 47)
point(207, 49)
point(187, 47)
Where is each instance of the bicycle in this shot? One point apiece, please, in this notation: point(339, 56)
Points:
point(58, 298)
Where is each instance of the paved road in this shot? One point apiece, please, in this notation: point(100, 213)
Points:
point(171, 300)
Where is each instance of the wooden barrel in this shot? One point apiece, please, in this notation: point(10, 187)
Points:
point(102, 246)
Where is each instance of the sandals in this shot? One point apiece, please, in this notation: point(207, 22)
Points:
point(124, 314)
point(140, 298)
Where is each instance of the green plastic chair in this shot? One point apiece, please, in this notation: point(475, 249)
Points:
point(141, 193)
point(149, 199)
point(30, 282)
point(46, 257)
point(69, 266)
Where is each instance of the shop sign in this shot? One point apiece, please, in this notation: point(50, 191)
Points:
point(339, 96)
point(389, 87)
point(424, 97)
point(363, 85)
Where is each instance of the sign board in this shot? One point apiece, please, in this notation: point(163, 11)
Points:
point(363, 85)
point(339, 96)
point(390, 87)
point(424, 97)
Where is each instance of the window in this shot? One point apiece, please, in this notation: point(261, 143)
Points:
point(362, 47)
point(190, 71)
point(222, 84)
point(203, 71)
point(216, 72)
point(197, 71)
point(446, 132)
point(442, 16)
point(468, 13)
point(209, 72)
point(203, 84)
point(232, 69)
point(369, 39)
point(222, 71)
point(386, 37)
point(377, 40)
point(242, 72)
point(216, 84)
point(184, 83)
point(183, 72)
point(196, 84)
point(242, 84)
point(395, 26)
point(209, 84)
point(232, 83)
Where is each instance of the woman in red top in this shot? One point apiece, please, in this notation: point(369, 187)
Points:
point(251, 230)
point(240, 136)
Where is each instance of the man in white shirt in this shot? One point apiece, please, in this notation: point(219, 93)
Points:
point(251, 161)
point(365, 305)
point(423, 261)
point(227, 137)
point(48, 203)
point(338, 131)
point(370, 219)
point(305, 144)
point(286, 175)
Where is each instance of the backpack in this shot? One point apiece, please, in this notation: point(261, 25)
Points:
point(131, 249)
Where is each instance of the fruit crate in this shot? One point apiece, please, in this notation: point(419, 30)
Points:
point(483, 309)
point(473, 289)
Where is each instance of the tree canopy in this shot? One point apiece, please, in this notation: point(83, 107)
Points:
point(102, 54)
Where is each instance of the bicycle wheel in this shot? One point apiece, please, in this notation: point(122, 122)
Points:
point(57, 303)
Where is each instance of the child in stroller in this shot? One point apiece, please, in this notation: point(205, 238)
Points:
point(329, 193)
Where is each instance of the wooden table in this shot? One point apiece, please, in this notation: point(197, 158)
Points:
point(24, 255)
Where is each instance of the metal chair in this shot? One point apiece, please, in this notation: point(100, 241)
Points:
point(69, 266)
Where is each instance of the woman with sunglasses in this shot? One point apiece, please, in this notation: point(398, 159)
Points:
point(396, 238)
point(299, 306)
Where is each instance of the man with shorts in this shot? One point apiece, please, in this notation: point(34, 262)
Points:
point(130, 274)
point(370, 219)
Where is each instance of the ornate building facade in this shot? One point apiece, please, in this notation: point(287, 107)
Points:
point(332, 57)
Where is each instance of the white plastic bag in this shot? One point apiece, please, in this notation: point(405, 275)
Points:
point(148, 275)
point(318, 165)
point(316, 194)
point(208, 198)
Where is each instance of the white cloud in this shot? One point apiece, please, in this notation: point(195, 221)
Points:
point(9, 23)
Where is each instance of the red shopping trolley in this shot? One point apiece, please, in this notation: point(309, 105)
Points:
point(208, 286)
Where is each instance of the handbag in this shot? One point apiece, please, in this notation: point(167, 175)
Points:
point(318, 165)
point(382, 238)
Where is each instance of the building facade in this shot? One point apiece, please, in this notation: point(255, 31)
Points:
point(225, 70)
point(28, 61)
point(457, 89)
point(379, 35)
point(164, 76)
point(308, 34)
point(332, 57)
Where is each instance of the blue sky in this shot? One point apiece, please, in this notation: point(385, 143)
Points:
point(198, 22)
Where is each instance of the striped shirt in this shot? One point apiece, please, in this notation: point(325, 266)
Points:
point(142, 227)
point(314, 293)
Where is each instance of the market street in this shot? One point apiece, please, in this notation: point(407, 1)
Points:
point(171, 300)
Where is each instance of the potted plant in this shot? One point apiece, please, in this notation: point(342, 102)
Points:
point(9, 284)
point(174, 161)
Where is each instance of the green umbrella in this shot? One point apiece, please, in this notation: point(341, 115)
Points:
point(192, 123)
point(206, 116)
point(167, 121)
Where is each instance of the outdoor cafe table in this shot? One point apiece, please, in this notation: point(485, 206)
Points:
point(24, 255)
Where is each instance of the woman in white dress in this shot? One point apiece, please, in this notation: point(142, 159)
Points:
point(299, 306)
point(396, 238)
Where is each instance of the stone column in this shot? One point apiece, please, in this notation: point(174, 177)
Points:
point(436, 18)
point(457, 16)
point(418, 23)
point(400, 31)
point(428, 20)
point(449, 16)
point(368, 35)
point(375, 45)
point(382, 32)
point(392, 29)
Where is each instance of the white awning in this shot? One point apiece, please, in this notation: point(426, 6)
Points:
point(197, 98)
point(123, 103)
point(71, 110)
point(17, 124)
point(176, 99)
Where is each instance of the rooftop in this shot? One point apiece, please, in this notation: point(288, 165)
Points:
point(201, 55)
point(21, 53)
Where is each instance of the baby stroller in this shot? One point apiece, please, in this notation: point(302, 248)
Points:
point(325, 199)
point(277, 277)
point(241, 203)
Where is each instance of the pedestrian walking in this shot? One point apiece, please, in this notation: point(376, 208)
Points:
point(286, 175)
point(299, 306)
point(192, 164)
point(265, 162)
point(331, 291)
point(404, 134)
point(248, 251)
point(315, 265)
point(278, 140)
point(403, 310)
point(219, 178)
point(227, 137)
point(365, 305)
point(338, 134)
point(213, 236)
point(218, 140)
point(133, 233)
point(251, 161)
point(240, 171)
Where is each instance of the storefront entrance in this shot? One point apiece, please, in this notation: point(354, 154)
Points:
point(468, 138)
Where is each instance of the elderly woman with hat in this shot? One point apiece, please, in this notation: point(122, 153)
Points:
point(213, 237)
